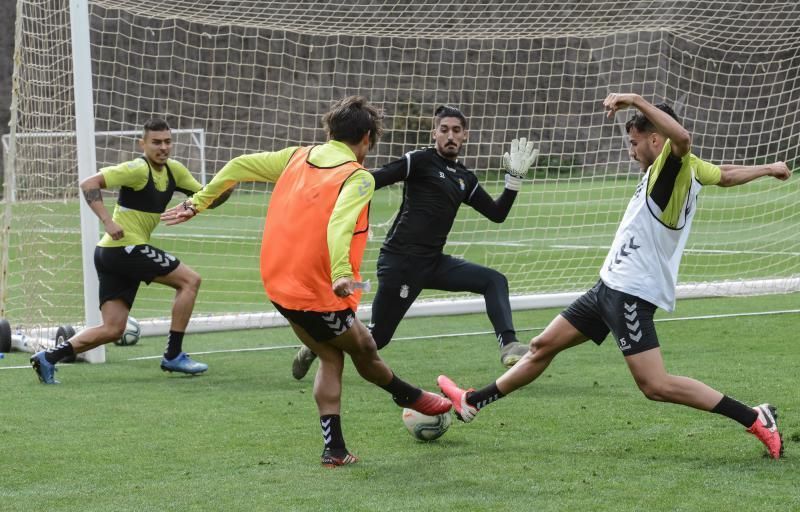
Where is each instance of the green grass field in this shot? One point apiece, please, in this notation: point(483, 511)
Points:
point(555, 240)
point(124, 436)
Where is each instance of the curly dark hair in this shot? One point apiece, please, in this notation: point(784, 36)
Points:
point(352, 117)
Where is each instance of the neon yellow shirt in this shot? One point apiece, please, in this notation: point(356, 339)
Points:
point(673, 183)
point(268, 167)
point(138, 226)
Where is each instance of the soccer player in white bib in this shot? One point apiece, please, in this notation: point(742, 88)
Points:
point(639, 275)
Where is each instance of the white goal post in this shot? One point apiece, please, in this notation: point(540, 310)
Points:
point(257, 75)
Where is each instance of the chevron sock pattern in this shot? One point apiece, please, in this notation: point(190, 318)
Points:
point(174, 345)
point(331, 425)
point(59, 352)
point(484, 396)
point(736, 411)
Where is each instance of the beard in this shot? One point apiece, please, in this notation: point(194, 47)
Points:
point(449, 151)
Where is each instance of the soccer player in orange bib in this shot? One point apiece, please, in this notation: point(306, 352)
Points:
point(318, 215)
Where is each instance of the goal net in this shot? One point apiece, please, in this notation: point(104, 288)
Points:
point(256, 75)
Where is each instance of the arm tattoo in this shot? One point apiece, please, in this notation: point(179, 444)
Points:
point(92, 195)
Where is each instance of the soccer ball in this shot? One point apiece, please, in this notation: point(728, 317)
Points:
point(426, 428)
point(131, 334)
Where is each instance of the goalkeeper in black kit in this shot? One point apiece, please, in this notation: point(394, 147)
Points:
point(435, 185)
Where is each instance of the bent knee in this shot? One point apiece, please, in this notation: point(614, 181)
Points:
point(498, 279)
point(543, 345)
point(194, 280)
point(190, 282)
point(364, 351)
point(656, 391)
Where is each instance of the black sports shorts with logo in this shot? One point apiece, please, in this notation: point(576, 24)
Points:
point(120, 270)
point(320, 326)
point(602, 310)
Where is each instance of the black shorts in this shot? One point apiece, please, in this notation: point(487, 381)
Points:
point(602, 310)
point(320, 326)
point(121, 269)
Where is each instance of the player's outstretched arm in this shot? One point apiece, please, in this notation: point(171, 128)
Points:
point(680, 139)
point(733, 175)
point(220, 200)
point(517, 162)
point(179, 213)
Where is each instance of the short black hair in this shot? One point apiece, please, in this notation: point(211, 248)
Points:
point(644, 125)
point(155, 124)
point(449, 111)
point(352, 117)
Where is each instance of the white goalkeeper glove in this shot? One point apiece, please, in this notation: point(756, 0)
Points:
point(518, 161)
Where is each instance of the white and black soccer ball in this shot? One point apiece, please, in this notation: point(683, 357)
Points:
point(131, 334)
point(426, 428)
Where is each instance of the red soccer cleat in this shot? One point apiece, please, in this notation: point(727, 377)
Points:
point(464, 411)
point(335, 458)
point(765, 428)
point(431, 404)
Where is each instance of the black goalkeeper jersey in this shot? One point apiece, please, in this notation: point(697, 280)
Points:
point(433, 190)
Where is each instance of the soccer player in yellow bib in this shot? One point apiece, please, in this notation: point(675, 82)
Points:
point(639, 274)
point(124, 257)
point(318, 216)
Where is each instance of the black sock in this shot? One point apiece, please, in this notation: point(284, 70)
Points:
point(331, 425)
point(59, 352)
point(174, 345)
point(403, 393)
point(736, 411)
point(506, 337)
point(484, 396)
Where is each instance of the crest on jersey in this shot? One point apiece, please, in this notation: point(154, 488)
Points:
point(461, 184)
point(404, 291)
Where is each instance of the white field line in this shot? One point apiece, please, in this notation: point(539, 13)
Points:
point(452, 335)
point(484, 333)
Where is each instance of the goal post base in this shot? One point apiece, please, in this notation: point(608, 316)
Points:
point(232, 322)
point(45, 339)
